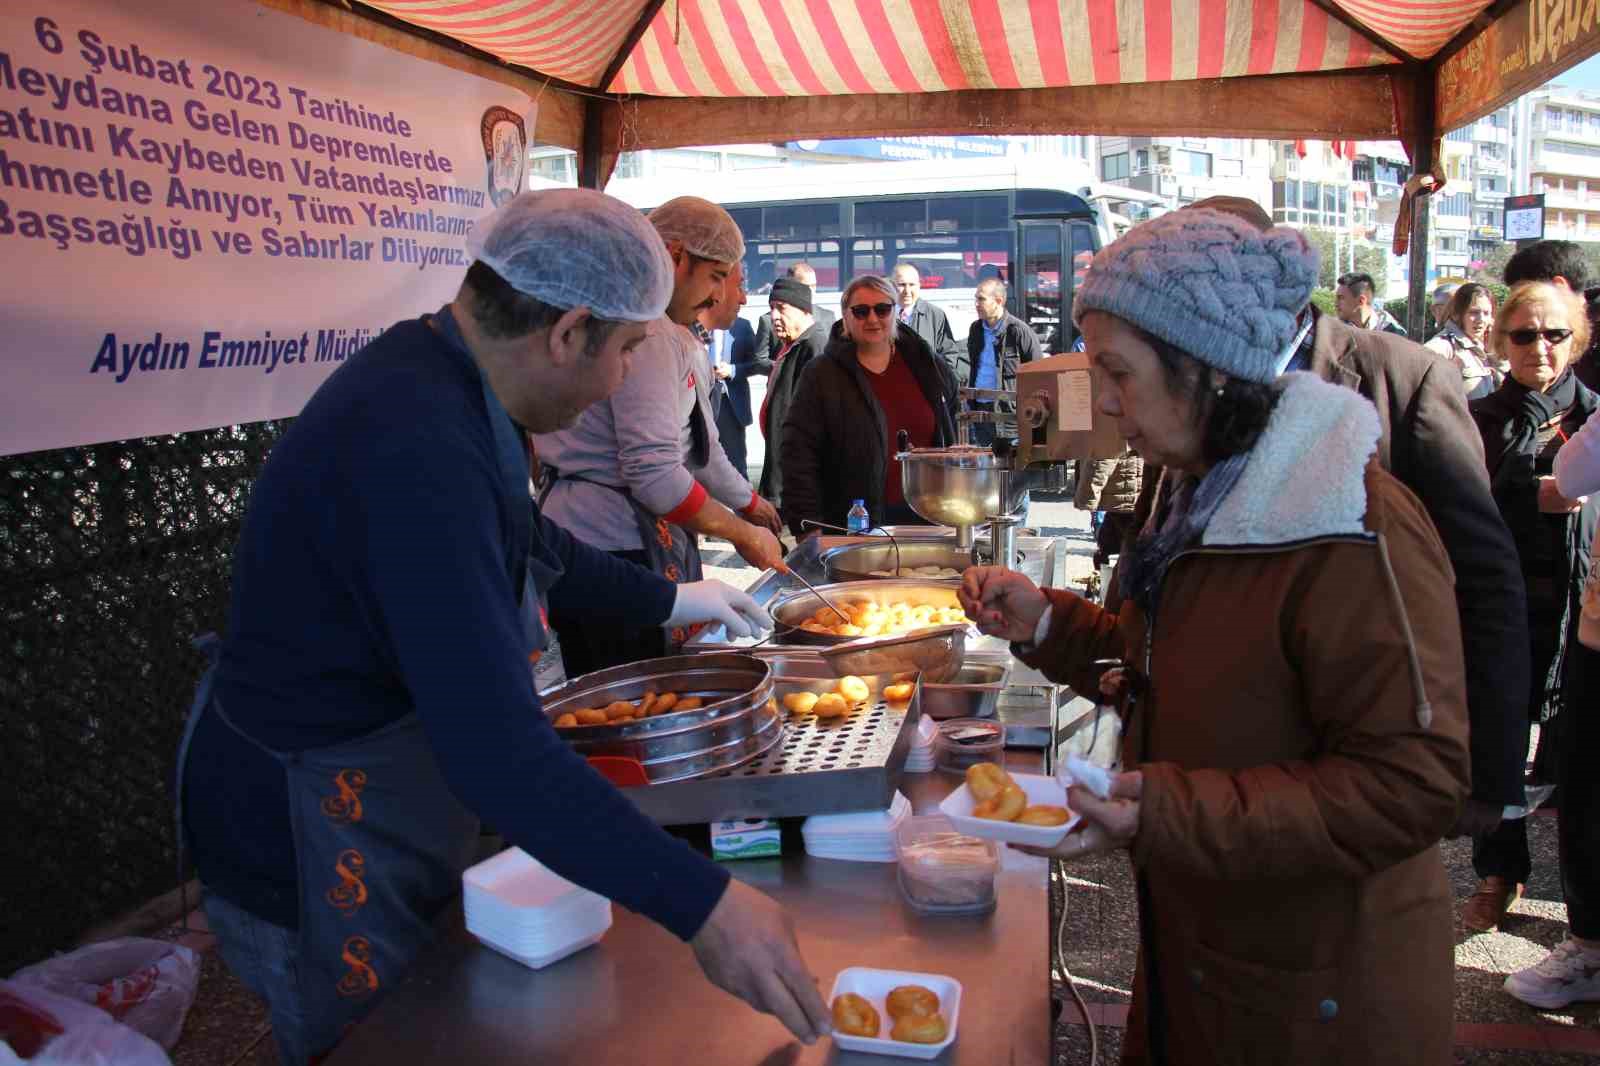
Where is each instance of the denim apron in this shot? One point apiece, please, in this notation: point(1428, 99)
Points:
point(380, 841)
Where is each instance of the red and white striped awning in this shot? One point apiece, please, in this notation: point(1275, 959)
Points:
point(762, 48)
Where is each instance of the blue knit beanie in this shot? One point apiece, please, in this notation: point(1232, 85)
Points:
point(1208, 283)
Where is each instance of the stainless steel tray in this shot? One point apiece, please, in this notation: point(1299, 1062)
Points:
point(791, 608)
point(856, 562)
point(820, 767)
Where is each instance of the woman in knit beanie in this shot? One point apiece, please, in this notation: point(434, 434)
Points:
point(1294, 709)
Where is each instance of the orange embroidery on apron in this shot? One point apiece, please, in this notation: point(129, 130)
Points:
point(362, 980)
point(346, 806)
point(672, 572)
point(350, 894)
point(664, 532)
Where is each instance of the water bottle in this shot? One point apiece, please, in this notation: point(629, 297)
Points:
point(858, 522)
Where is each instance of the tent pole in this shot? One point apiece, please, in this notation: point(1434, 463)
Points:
point(589, 150)
point(1423, 139)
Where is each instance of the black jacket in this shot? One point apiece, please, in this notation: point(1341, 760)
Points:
point(1017, 343)
point(836, 438)
point(1430, 443)
point(780, 394)
point(1509, 419)
point(768, 345)
point(932, 326)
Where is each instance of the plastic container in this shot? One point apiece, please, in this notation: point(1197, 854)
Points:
point(858, 521)
point(1041, 791)
point(874, 986)
point(943, 871)
point(964, 742)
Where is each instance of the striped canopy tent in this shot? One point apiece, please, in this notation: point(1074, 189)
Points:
point(616, 75)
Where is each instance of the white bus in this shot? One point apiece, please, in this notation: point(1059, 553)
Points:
point(1030, 221)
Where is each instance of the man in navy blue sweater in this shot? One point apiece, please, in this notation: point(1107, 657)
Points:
point(373, 696)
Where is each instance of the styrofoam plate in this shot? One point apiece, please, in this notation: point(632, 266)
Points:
point(1040, 789)
point(874, 986)
point(543, 959)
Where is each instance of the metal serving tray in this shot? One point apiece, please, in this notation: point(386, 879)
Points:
point(820, 767)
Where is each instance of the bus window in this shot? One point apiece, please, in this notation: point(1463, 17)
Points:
point(767, 261)
point(1041, 282)
point(956, 261)
point(892, 216)
point(748, 219)
point(962, 214)
point(804, 221)
point(1083, 249)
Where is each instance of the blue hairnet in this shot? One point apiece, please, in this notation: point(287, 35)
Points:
point(577, 248)
point(704, 229)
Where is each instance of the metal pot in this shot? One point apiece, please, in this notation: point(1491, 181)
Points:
point(789, 610)
point(739, 721)
point(856, 562)
point(958, 486)
point(973, 693)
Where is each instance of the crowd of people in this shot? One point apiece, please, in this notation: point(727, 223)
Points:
point(1397, 537)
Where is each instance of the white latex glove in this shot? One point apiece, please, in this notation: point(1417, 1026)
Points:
point(712, 601)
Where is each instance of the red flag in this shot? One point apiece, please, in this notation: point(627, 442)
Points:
point(1300, 149)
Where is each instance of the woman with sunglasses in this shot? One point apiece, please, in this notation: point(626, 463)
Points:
point(876, 378)
point(1541, 329)
point(1468, 320)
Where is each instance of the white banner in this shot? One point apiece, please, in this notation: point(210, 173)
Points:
point(206, 206)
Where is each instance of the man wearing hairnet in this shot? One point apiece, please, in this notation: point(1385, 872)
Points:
point(642, 474)
point(373, 697)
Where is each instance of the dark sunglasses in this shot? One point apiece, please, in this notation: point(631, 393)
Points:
point(1522, 337)
point(861, 311)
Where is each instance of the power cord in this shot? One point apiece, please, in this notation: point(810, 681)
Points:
point(1072, 984)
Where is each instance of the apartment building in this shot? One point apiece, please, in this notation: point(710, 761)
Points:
point(1494, 168)
point(1186, 169)
point(1562, 138)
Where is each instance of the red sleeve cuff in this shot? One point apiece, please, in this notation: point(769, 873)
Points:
point(755, 498)
point(689, 506)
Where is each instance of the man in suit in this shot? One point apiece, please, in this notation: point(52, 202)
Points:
point(927, 320)
point(730, 348)
point(996, 343)
point(801, 340)
point(768, 342)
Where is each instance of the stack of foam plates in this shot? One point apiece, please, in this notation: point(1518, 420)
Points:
point(518, 907)
point(920, 758)
point(860, 836)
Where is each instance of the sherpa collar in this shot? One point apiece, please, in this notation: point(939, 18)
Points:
point(1306, 476)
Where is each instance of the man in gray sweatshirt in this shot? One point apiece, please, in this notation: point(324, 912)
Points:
point(643, 473)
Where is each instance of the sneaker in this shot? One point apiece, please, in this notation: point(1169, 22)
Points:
point(1486, 908)
point(1569, 974)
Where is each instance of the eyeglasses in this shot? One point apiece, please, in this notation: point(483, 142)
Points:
point(1523, 337)
point(861, 311)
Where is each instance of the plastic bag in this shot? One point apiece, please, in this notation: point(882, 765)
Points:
point(89, 1037)
point(148, 985)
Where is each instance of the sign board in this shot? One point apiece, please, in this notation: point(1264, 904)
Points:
point(206, 206)
point(1524, 219)
point(1530, 44)
point(915, 148)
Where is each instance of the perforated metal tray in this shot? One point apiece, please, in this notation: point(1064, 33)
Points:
point(820, 767)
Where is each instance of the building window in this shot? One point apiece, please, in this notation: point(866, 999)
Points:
point(1230, 168)
point(1194, 164)
point(1141, 160)
point(1114, 167)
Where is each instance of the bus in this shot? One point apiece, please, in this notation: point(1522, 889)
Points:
point(1032, 222)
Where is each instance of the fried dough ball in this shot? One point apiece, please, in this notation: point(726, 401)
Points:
point(665, 702)
point(899, 693)
point(691, 704)
point(848, 630)
point(624, 718)
point(985, 780)
point(1004, 807)
point(830, 705)
point(919, 1029)
point(811, 625)
point(565, 721)
point(646, 705)
point(855, 1016)
point(618, 709)
point(853, 689)
point(800, 702)
point(590, 716)
point(1044, 815)
point(911, 999)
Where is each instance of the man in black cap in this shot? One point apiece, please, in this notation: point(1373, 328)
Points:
point(801, 338)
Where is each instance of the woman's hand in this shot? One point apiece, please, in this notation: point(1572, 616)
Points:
point(1108, 825)
point(1003, 602)
point(1552, 502)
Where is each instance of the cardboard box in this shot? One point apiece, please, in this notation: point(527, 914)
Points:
point(752, 838)
point(1063, 389)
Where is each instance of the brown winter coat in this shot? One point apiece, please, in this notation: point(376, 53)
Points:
point(1109, 484)
point(1303, 741)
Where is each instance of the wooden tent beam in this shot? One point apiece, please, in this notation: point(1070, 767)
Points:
point(1482, 22)
point(1355, 25)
